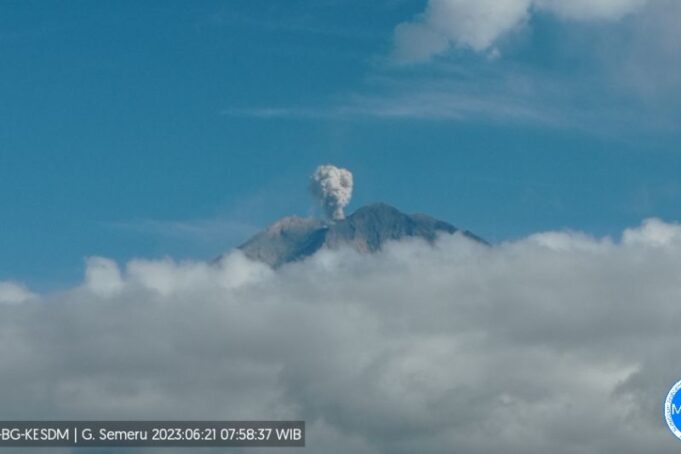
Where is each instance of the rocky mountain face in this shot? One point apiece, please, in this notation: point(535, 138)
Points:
point(367, 229)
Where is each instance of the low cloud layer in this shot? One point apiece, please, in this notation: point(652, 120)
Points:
point(558, 342)
point(478, 24)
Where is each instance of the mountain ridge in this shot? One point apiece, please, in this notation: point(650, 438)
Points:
point(294, 238)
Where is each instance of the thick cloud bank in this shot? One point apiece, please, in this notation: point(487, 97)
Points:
point(477, 24)
point(555, 343)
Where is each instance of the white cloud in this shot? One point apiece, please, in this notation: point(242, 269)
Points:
point(12, 293)
point(103, 277)
point(644, 58)
point(591, 9)
point(465, 23)
point(557, 342)
point(654, 232)
point(478, 24)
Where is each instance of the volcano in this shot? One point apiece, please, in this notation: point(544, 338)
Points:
point(294, 238)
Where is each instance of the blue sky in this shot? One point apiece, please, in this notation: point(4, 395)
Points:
point(144, 129)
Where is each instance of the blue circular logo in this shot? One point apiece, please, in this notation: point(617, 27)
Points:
point(672, 409)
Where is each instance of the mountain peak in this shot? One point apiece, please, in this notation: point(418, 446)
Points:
point(378, 207)
point(367, 229)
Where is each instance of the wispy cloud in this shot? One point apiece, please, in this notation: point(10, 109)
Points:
point(517, 95)
point(200, 230)
point(417, 101)
point(279, 112)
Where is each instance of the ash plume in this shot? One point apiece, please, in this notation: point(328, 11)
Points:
point(333, 187)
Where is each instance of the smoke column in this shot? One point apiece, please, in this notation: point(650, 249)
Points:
point(333, 187)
